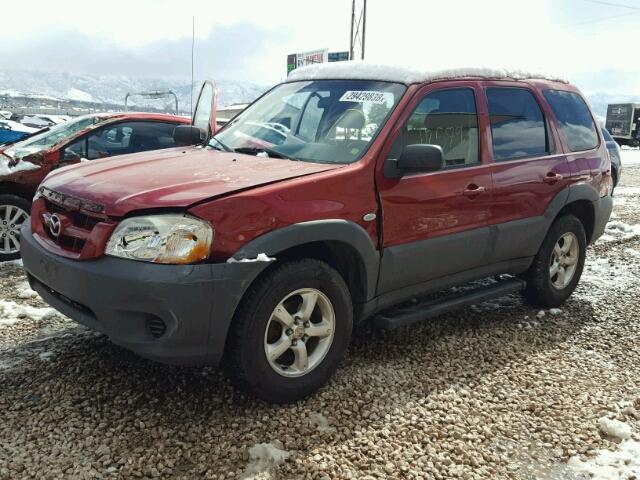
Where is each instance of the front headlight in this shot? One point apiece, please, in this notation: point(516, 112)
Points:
point(170, 238)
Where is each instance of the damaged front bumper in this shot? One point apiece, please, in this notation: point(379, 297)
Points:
point(177, 314)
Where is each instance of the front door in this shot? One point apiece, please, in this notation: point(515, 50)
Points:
point(435, 224)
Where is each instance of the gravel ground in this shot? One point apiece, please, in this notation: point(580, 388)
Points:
point(498, 390)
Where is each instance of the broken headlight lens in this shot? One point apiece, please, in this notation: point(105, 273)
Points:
point(170, 238)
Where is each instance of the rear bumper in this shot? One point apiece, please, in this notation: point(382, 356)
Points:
point(128, 300)
point(602, 212)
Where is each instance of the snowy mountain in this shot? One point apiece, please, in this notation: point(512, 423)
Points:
point(111, 89)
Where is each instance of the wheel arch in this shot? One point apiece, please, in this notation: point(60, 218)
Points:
point(577, 200)
point(344, 245)
point(11, 188)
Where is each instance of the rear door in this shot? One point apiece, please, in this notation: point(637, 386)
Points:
point(529, 168)
point(435, 224)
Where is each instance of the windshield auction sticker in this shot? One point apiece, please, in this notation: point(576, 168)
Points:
point(362, 96)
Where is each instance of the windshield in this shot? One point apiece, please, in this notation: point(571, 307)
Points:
point(324, 121)
point(51, 137)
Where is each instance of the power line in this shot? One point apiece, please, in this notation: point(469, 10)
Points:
point(611, 4)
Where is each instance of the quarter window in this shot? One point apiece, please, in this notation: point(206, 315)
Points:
point(574, 119)
point(447, 118)
point(518, 127)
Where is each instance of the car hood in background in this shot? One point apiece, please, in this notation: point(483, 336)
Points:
point(177, 177)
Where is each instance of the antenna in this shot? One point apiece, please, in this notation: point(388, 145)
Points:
point(193, 42)
point(358, 27)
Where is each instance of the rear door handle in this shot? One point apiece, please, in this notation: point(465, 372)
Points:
point(551, 178)
point(473, 190)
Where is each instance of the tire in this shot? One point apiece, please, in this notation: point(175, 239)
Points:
point(545, 289)
point(256, 328)
point(614, 180)
point(14, 211)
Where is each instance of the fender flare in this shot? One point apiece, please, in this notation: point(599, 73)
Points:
point(568, 195)
point(337, 230)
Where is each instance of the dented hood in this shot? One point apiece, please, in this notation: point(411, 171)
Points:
point(177, 177)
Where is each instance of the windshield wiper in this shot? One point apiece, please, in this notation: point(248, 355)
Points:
point(269, 151)
point(224, 147)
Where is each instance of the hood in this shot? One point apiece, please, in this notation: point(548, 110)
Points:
point(177, 177)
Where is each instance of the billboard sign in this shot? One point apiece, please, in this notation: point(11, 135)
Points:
point(296, 60)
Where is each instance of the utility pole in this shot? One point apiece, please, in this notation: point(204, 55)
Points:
point(358, 28)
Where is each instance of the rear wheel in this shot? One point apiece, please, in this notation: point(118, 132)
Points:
point(291, 330)
point(557, 267)
point(14, 212)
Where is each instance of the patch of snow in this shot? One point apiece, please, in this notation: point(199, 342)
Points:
point(45, 356)
point(261, 257)
point(605, 274)
point(24, 291)
point(79, 95)
point(540, 315)
point(17, 127)
point(555, 311)
point(408, 75)
point(630, 157)
point(615, 428)
point(320, 422)
point(21, 166)
point(11, 313)
point(620, 464)
point(619, 231)
point(626, 191)
point(262, 458)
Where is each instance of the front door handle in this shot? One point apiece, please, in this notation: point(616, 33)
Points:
point(551, 178)
point(473, 190)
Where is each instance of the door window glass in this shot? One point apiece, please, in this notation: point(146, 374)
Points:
point(130, 137)
point(75, 150)
point(574, 119)
point(518, 126)
point(446, 118)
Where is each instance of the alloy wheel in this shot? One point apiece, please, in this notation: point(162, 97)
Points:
point(300, 332)
point(564, 260)
point(11, 220)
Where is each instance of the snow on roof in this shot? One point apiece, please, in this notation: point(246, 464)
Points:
point(353, 70)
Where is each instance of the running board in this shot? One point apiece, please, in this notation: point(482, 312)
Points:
point(429, 309)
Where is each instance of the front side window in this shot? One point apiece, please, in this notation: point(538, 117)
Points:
point(130, 137)
point(574, 119)
point(518, 127)
point(322, 121)
point(446, 118)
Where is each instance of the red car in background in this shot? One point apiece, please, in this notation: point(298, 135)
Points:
point(23, 165)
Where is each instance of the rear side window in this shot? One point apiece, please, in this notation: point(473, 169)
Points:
point(574, 119)
point(518, 127)
point(446, 118)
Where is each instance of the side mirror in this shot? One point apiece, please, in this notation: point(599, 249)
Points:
point(421, 158)
point(189, 135)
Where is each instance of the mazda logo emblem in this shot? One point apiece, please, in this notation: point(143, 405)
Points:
point(55, 225)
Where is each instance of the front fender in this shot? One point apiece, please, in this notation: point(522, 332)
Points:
point(329, 230)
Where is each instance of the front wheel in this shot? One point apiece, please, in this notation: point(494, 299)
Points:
point(290, 331)
point(557, 267)
point(14, 212)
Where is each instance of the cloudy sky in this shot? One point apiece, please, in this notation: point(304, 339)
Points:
point(592, 42)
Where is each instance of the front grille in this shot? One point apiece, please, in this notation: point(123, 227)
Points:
point(77, 226)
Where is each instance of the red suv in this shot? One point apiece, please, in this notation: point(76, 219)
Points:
point(332, 200)
point(24, 164)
